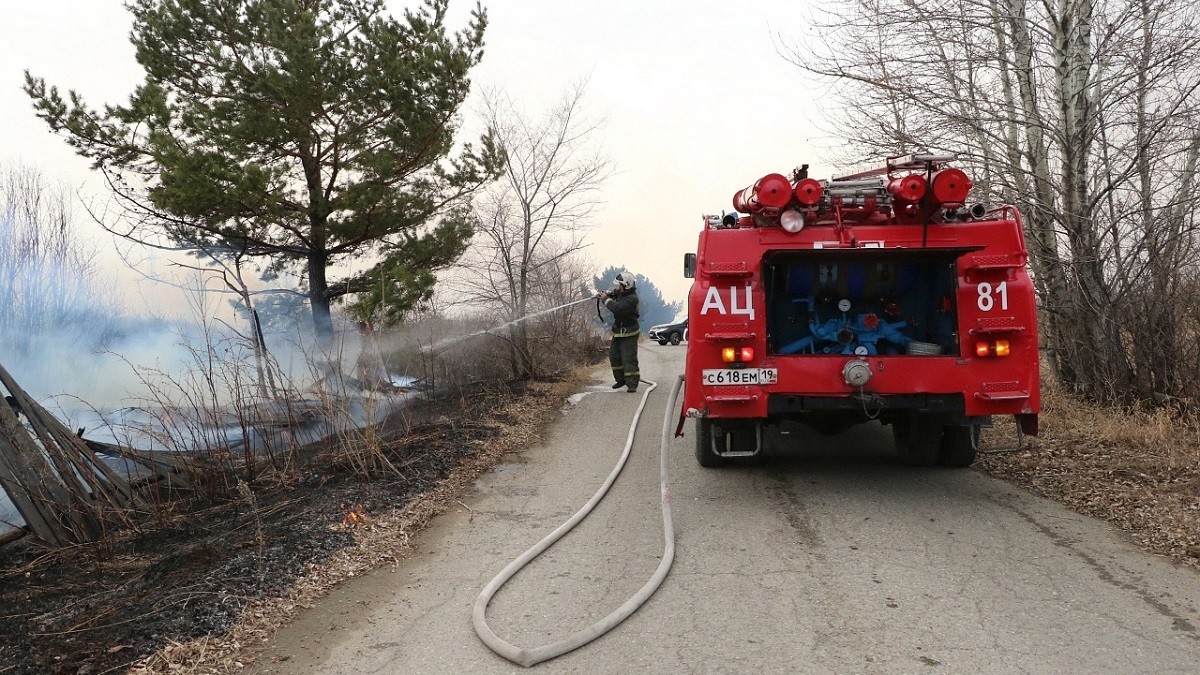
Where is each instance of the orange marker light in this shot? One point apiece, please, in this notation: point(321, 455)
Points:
point(1002, 348)
point(737, 354)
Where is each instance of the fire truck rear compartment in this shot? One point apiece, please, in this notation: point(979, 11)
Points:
point(834, 302)
point(870, 303)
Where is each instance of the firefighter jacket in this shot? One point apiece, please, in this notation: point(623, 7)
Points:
point(624, 308)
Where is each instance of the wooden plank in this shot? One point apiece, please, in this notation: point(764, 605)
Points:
point(60, 444)
point(172, 469)
point(65, 508)
point(10, 537)
point(17, 481)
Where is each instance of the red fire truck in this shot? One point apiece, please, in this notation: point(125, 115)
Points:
point(881, 295)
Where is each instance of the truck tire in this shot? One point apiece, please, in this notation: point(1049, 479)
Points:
point(918, 439)
point(676, 338)
point(704, 440)
point(959, 445)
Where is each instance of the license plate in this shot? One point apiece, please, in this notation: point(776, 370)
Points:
point(724, 376)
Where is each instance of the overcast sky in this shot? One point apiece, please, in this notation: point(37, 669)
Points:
point(696, 98)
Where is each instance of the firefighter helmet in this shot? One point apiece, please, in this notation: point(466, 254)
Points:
point(624, 282)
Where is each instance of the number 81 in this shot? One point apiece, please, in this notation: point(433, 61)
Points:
point(987, 295)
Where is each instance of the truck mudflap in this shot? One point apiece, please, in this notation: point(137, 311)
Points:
point(722, 440)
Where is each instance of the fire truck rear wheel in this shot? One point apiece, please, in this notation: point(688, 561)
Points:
point(959, 444)
point(704, 441)
point(918, 439)
point(676, 338)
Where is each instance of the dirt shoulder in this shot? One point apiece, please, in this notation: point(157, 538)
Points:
point(1139, 471)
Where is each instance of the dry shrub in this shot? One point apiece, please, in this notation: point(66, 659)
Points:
point(560, 347)
point(1163, 435)
point(450, 354)
point(1160, 330)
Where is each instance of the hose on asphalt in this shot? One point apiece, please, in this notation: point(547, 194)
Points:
point(535, 655)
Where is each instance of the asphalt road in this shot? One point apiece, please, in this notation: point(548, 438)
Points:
point(828, 557)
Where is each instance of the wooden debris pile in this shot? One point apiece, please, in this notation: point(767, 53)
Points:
point(65, 493)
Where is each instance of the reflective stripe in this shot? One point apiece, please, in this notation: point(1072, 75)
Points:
point(636, 332)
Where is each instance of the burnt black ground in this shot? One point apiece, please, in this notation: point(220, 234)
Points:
point(102, 607)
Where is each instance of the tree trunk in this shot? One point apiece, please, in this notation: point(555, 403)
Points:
point(318, 257)
point(1046, 260)
point(1091, 319)
point(318, 298)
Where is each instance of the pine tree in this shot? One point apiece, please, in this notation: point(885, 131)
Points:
point(312, 135)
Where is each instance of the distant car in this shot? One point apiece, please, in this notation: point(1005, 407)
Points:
point(669, 332)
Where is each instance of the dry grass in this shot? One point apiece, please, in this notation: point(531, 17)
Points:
point(384, 541)
point(1139, 470)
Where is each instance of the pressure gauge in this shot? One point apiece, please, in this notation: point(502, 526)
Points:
point(843, 305)
point(860, 350)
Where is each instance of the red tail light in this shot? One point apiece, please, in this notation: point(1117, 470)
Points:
point(737, 354)
point(986, 348)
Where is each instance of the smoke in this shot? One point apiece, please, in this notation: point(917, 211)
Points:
point(64, 332)
point(68, 341)
point(67, 338)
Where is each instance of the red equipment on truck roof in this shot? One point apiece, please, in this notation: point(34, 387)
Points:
point(876, 295)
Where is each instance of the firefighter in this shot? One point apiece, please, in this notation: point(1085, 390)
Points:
point(622, 301)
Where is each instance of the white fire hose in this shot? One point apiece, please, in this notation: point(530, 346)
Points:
point(534, 655)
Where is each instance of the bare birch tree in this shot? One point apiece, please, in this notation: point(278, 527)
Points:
point(49, 286)
point(532, 221)
point(1081, 112)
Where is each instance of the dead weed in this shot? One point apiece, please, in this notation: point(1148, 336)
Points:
point(1139, 470)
